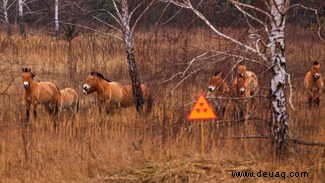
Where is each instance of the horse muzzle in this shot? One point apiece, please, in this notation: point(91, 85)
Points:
point(26, 85)
point(242, 90)
point(85, 89)
point(317, 76)
point(211, 88)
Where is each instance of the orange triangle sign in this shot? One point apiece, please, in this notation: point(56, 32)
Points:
point(202, 110)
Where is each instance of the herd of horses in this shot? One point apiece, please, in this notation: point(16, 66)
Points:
point(245, 87)
point(112, 96)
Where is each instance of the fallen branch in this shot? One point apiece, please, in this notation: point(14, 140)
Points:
point(313, 143)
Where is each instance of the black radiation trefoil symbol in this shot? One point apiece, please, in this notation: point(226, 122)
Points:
point(198, 110)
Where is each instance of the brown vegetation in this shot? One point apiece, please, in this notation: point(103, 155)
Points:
point(161, 146)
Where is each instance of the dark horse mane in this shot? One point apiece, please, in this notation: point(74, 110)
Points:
point(99, 75)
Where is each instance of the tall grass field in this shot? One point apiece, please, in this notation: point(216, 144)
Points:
point(161, 146)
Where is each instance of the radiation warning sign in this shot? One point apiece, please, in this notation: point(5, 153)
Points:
point(202, 110)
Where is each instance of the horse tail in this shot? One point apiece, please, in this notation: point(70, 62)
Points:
point(56, 111)
point(149, 103)
point(59, 102)
point(77, 105)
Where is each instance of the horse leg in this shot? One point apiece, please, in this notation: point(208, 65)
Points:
point(317, 101)
point(242, 110)
point(28, 111)
point(35, 110)
point(107, 107)
point(310, 102)
point(235, 112)
point(223, 112)
point(48, 108)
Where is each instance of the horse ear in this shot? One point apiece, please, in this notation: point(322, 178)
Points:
point(217, 73)
point(29, 69)
point(315, 63)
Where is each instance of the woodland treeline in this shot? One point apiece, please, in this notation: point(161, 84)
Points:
point(38, 15)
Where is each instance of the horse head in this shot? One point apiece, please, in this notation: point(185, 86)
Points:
point(241, 71)
point(240, 86)
point(92, 82)
point(27, 77)
point(315, 70)
point(216, 82)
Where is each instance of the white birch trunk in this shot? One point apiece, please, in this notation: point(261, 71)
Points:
point(21, 17)
point(5, 15)
point(56, 18)
point(278, 79)
point(133, 71)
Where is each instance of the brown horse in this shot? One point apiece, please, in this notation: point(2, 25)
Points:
point(70, 100)
point(314, 84)
point(35, 93)
point(245, 85)
point(113, 94)
point(218, 90)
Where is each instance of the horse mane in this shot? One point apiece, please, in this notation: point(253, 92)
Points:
point(315, 63)
point(217, 73)
point(100, 75)
point(28, 70)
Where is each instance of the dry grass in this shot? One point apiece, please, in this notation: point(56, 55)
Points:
point(159, 147)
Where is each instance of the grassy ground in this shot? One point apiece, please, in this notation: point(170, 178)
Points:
point(161, 146)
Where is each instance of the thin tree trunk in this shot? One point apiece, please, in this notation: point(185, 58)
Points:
point(278, 77)
point(5, 14)
point(21, 17)
point(71, 69)
point(133, 71)
point(56, 18)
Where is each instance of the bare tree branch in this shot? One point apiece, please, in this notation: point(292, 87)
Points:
point(187, 5)
point(316, 14)
point(140, 16)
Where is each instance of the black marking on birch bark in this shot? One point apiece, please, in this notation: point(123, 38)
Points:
point(277, 47)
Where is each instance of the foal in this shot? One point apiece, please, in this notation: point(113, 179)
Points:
point(245, 85)
point(70, 100)
point(35, 93)
point(314, 84)
point(218, 90)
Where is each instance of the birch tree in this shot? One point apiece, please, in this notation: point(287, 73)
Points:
point(274, 28)
point(21, 17)
point(126, 23)
point(56, 18)
point(5, 7)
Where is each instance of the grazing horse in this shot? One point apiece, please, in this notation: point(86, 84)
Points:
point(111, 94)
point(36, 93)
point(314, 84)
point(245, 85)
point(70, 100)
point(218, 90)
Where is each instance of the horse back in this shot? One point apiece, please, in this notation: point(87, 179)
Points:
point(115, 92)
point(128, 99)
point(146, 92)
point(252, 80)
point(69, 97)
point(47, 91)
